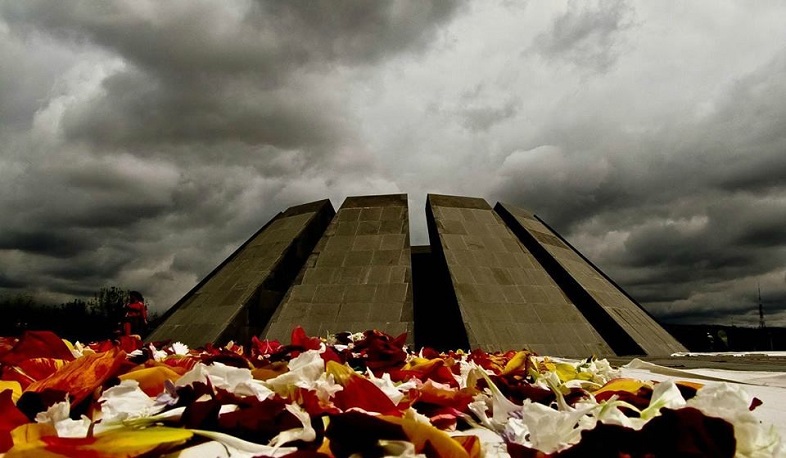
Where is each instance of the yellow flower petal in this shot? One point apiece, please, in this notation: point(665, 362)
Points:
point(623, 384)
point(341, 372)
point(40, 440)
point(12, 385)
point(566, 372)
point(127, 443)
point(28, 441)
point(518, 362)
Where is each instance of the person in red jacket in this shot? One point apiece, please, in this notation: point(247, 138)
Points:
point(135, 318)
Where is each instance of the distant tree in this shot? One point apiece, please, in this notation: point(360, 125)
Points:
point(17, 311)
point(95, 319)
point(109, 302)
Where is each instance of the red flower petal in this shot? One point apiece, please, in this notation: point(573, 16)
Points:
point(361, 392)
point(301, 339)
point(37, 344)
point(10, 418)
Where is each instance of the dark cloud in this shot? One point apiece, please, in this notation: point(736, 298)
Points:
point(587, 35)
point(145, 140)
point(51, 242)
point(138, 110)
point(9, 283)
point(205, 73)
point(258, 37)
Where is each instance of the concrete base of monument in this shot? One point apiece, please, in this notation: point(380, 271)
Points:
point(760, 376)
point(738, 361)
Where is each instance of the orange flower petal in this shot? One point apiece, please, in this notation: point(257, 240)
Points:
point(40, 368)
point(82, 376)
point(151, 379)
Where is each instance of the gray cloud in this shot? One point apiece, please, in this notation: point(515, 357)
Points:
point(483, 118)
point(587, 35)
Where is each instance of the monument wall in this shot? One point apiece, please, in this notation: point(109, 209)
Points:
point(358, 276)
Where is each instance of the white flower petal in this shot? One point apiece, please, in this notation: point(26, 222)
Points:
point(306, 433)
point(244, 449)
point(304, 370)
point(730, 402)
point(127, 401)
point(73, 428)
point(179, 348)
point(551, 430)
point(666, 394)
point(58, 415)
point(56, 412)
point(386, 385)
point(236, 380)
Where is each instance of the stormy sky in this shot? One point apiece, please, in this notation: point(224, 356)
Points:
point(142, 141)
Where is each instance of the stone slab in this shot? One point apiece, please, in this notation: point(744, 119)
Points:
point(358, 276)
point(238, 297)
point(602, 301)
point(506, 300)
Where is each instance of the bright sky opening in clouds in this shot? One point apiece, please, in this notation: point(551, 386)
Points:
point(142, 141)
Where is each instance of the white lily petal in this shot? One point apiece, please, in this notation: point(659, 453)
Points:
point(386, 385)
point(611, 414)
point(58, 415)
point(244, 449)
point(73, 428)
point(502, 407)
point(56, 412)
point(239, 381)
point(399, 449)
point(666, 394)
point(127, 401)
point(730, 402)
point(551, 430)
point(479, 408)
point(325, 386)
point(306, 433)
point(306, 368)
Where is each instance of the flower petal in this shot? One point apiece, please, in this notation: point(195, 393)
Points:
point(152, 379)
point(82, 376)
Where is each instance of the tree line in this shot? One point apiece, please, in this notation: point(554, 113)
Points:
point(89, 320)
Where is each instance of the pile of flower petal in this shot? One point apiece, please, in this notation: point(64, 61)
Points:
point(351, 395)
